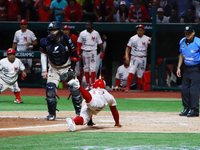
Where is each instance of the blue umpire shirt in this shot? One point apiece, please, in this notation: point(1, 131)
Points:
point(191, 52)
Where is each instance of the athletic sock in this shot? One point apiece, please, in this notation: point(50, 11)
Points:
point(129, 80)
point(78, 120)
point(17, 95)
point(87, 78)
point(139, 82)
point(93, 76)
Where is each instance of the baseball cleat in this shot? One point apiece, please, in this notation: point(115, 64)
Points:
point(71, 124)
point(18, 101)
point(127, 89)
point(51, 117)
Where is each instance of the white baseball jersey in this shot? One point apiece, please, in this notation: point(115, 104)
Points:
point(89, 40)
point(21, 38)
point(100, 99)
point(9, 71)
point(138, 45)
point(122, 74)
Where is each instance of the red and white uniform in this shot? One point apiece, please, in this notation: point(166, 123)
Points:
point(89, 43)
point(138, 54)
point(100, 99)
point(122, 75)
point(9, 74)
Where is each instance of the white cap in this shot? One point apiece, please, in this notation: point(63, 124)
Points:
point(122, 3)
point(160, 10)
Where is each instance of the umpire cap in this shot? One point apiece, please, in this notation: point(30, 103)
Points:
point(188, 29)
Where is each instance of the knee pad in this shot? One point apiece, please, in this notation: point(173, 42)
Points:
point(51, 90)
point(77, 101)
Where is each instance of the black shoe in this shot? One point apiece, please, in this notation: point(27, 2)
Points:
point(184, 112)
point(51, 117)
point(90, 123)
point(193, 113)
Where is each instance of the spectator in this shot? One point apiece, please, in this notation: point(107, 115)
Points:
point(104, 10)
point(43, 7)
point(73, 11)
point(160, 17)
point(138, 13)
point(14, 10)
point(150, 7)
point(81, 2)
point(190, 17)
point(166, 7)
point(122, 74)
point(196, 4)
point(24, 40)
point(87, 42)
point(88, 11)
point(3, 10)
point(57, 7)
point(28, 11)
point(174, 18)
point(9, 68)
point(122, 13)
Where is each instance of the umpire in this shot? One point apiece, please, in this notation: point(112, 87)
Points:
point(190, 55)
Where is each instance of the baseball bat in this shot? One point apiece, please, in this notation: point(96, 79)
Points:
point(100, 68)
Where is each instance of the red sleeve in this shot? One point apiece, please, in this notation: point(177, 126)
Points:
point(79, 46)
point(74, 39)
point(117, 82)
point(130, 13)
point(115, 113)
point(66, 14)
point(128, 46)
point(145, 15)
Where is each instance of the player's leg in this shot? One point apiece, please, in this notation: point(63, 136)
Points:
point(93, 64)
point(76, 100)
point(86, 69)
point(3, 86)
point(16, 90)
point(140, 71)
point(51, 89)
point(133, 67)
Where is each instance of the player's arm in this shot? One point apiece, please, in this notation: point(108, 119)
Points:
point(127, 51)
point(14, 45)
point(180, 61)
point(73, 53)
point(115, 115)
point(34, 43)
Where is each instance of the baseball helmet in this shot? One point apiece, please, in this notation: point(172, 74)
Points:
point(11, 51)
point(99, 83)
point(52, 26)
point(140, 26)
point(66, 27)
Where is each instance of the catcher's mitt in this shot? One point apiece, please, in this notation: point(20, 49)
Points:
point(67, 76)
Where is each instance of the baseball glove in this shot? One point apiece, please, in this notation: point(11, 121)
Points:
point(67, 76)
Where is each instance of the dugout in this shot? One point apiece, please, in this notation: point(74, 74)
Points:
point(167, 37)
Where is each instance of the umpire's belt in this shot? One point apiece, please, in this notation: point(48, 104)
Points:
point(140, 56)
point(192, 66)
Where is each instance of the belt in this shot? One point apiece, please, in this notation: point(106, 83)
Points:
point(140, 56)
point(192, 66)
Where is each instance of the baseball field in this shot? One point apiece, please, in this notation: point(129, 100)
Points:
point(150, 121)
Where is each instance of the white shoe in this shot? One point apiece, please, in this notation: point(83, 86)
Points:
point(75, 83)
point(71, 124)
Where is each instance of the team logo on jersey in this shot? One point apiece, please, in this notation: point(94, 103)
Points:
point(15, 68)
point(93, 38)
point(55, 49)
point(183, 45)
point(192, 51)
point(143, 43)
point(25, 38)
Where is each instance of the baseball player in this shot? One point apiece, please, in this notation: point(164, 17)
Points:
point(62, 58)
point(87, 42)
point(138, 45)
point(9, 68)
point(95, 101)
point(24, 40)
point(122, 75)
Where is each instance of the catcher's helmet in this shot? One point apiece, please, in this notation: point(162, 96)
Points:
point(11, 51)
point(52, 26)
point(99, 83)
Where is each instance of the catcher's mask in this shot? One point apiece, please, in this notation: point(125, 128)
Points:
point(55, 25)
point(99, 83)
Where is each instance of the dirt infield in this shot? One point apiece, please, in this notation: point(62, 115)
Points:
point(34, 122)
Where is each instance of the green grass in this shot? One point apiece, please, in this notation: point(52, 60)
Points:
point(103, 140)
point(38, 103)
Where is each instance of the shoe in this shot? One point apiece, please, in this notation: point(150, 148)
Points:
point(184, 112)
point(18, 101)
point(71, 124)
point(127, 89)
point(90, 123)
point(193, 113)
point(91, 87)
point(51, 117)
point(87, 88)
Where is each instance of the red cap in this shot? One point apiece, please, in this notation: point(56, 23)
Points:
point(11, 51)
point(140, 26)
point(66, 27)
point(23, 21)
point(128, 57)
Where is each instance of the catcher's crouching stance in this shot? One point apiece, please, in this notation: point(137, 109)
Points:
point(96, 100)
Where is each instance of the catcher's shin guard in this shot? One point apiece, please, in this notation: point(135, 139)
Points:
point(51, 105)
point(77, 101)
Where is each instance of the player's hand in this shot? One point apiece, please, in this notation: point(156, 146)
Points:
point(104, 38)
point(178, 72)
point(118, 125)
point(23, 75)
point(28, 44)
point(102, 55)
point(45, 75)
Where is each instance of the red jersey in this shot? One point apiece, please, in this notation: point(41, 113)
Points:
point(74, 13)
point(4, 11)
point(13, 10)
point(74, 39)
point(141, 15)
point(42, 14)
point(109, 4)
